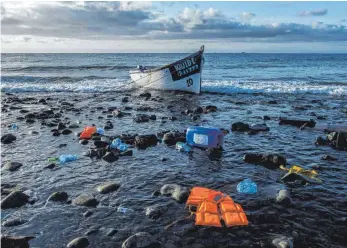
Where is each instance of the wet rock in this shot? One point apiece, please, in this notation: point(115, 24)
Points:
point(172, 118)
point(61, 126)
point(156, 193)
point(83, 142)
point(108, 125)
point(283, 197)
point(8, 138)
point(140, 240)
point(56, 133)
point(125, 99)
point(171, 138)
point(100, 143)
point(50, 166)
point(328, 157)
point(211, 108)
point(80, 242)
point(13, 222)
point(110, 232)
point(163, 159)
point(91, 231)
point(283, 242)
point(14, 199)
point(117, 113)
point(266, 117)
point(144, 141)
point(108, 187)
point(144, 108)
point(58, 197)
point(33, 133)
point(85, 200)
point(74, 125)
point(180, 194)
point(66, 131)
point(155, 211)
point(12, 166)
point(30, 121)
point(41, 100)
point(239, 127)
point(297, 123)
point(214, 153)
point(195, 117)
point(110, 157)
point(126, 153)
point(146, 95)
point(87, 213)
point(188, 111)
point(272, 102)
point(271, 161)
point(139, 118)
point(15, 241)
point(320, 141)
point(198, 110)
point(152, 117)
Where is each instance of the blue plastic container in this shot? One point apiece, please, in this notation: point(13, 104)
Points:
point(205, 137)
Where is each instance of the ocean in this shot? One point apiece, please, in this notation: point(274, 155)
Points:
point(226, 73)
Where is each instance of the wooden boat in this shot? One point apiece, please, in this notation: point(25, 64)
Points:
point(182, 75)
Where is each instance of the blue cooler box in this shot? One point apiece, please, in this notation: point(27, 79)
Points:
point(205, 137)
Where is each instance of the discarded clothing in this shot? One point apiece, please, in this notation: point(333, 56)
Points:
point(214, 206)
point(297, 172)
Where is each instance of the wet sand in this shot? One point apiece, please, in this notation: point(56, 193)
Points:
point(316, 216)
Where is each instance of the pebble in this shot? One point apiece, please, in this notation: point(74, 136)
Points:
point(91, 231)
point(61, 126)
point(266, 118)
point(13, 222)
point(239, 127)
point(283, 197)
point(14, 199)
point(83, 142)
point(80, 242)
point(50, 166)
point(111, 232)
point(15, 241)
point(66, 131)
point(58, 196)
point(139, 240)
point(33, 133)
point(328, 157)
point(85, 200)
point(110, 157)
point(283, 242)
point(154, 212)
point(108, 187)
point(87, 213)
point(8, 138)
point(12, 166)
point(180, 194)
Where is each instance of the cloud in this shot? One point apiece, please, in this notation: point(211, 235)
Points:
point(320, 12)
point(128, 20)
point(247, 16)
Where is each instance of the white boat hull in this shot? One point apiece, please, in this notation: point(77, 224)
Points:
point(183, 75)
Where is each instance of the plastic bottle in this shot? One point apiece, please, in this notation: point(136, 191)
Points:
point(183, 147)
point(14, 126)
point(247, 186)
point(100, 131)
point(67, 158)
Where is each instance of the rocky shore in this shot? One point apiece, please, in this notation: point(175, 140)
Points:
point(108, 198)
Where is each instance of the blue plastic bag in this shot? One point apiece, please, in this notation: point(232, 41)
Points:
point(117, 143)
point(67, 158)
point(183, 147)
point(247, 186)
point(100, 131)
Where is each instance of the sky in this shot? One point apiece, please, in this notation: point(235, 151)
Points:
point(164, 27)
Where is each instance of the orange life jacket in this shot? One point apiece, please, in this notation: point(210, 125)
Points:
point(88, 132)
point(214, 206)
